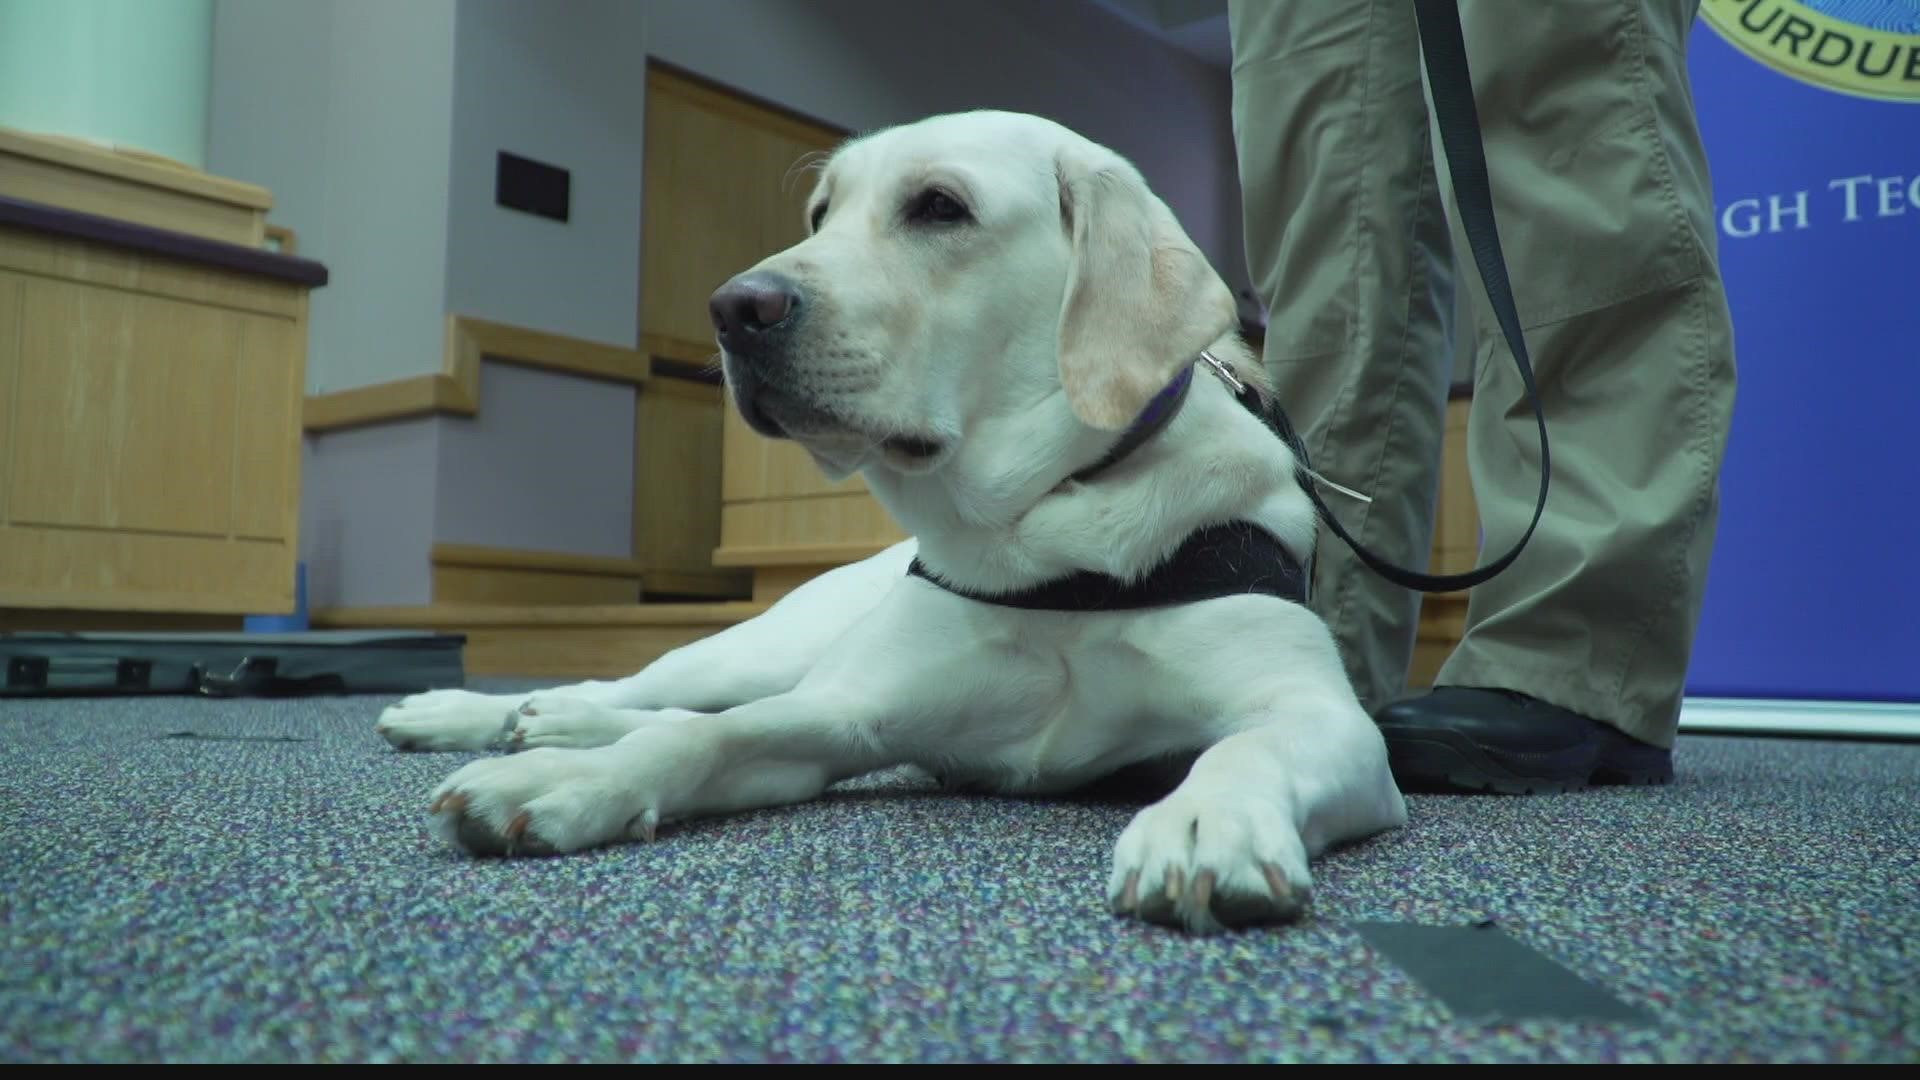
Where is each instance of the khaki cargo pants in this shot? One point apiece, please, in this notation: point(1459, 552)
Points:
point(1606, 214)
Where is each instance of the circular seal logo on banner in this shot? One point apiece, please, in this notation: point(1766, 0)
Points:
point(1868, 48)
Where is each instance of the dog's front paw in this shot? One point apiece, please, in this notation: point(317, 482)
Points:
point(549, 800)
point(565, 721)
point(449, 720)
point(1208, 863)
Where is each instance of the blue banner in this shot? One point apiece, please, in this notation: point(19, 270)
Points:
point(1811, 115)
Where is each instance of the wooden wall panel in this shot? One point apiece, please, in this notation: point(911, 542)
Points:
point(123, 412)
point(676, 505)
point(779, 532)
point(267, 406)
point(130, 185)
point(475, 574)
point(1456, 550)
point(726, 186)
point(13, 290)
point(149, 433)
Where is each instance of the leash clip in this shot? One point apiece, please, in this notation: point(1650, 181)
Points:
point(1223, 371)
point(1239, 387)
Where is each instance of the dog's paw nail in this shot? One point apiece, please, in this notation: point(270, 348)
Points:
point(1277, 882)
point(452, 802)
point(1129, 895)
point(518, 826)
point(528, 710)
point(646, 826)
point(1203, 889)
point(1176, 884)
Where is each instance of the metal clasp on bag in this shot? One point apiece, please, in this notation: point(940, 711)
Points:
point(244, 677)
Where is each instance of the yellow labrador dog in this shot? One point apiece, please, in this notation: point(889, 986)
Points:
point(988, 304)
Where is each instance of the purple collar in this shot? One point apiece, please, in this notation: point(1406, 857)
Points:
point(1158, 413)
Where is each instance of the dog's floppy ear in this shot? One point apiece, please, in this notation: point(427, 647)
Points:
point(1141, 301)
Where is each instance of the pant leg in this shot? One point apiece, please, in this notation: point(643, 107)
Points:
point(1605, 210)
point(1348, 246)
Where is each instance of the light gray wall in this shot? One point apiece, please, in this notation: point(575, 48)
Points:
point(389, 146)
point(547, 465)
point(267, 110)
point(340, 108)
point(558, 81)
point(366, 514)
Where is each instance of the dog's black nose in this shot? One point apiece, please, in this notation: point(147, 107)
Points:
point(748, 308)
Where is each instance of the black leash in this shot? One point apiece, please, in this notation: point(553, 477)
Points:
point(1444, 50)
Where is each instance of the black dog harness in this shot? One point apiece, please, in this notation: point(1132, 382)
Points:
point(1228, 559)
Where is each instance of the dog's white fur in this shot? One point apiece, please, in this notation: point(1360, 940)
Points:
point(1016, 342)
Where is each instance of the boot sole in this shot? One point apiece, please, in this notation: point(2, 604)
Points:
point(1437, 760)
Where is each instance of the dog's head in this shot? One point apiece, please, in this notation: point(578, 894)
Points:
point(961, 268)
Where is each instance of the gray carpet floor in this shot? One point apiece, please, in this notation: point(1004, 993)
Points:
point(267, 891)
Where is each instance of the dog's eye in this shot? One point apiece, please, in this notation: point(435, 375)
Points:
point(819, 215)
point(936, 207)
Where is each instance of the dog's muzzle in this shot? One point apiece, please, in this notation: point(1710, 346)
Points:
point(754, 317)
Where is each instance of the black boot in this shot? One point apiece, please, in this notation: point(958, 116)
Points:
point(1464, 739)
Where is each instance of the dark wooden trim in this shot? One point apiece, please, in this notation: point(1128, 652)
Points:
point(680, 369)
point(146, 240)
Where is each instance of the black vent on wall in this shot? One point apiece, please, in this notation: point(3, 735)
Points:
point(524, 184)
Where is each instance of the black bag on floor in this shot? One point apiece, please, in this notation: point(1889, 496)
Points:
point(231, 665)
